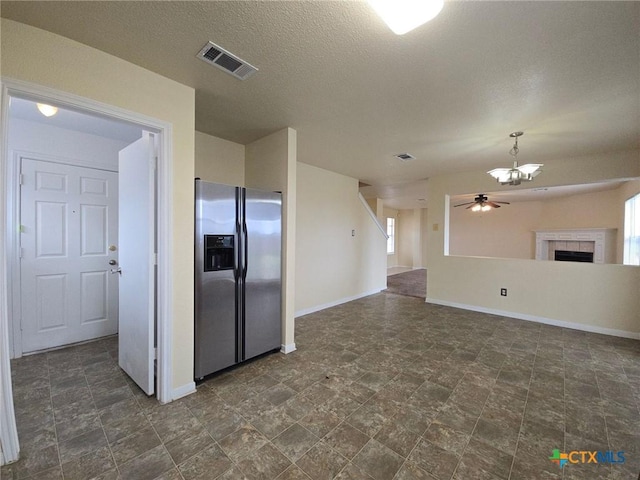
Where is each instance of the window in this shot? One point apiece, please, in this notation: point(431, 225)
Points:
point(391, 232)
point(632, 231)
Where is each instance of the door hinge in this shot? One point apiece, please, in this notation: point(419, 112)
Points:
point(155, 259)
point(20, 252)
point(21, 179)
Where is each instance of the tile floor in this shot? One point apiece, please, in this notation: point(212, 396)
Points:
point(386, 387)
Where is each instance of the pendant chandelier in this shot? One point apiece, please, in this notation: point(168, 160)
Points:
point(516, 175)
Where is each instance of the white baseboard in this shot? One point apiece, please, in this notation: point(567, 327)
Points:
point(533, 318)
point(183, 391)
point(291, 347)
point(317, 308)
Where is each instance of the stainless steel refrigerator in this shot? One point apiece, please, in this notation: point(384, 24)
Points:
point(237, 275)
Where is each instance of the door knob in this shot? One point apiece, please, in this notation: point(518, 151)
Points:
point(112, 262)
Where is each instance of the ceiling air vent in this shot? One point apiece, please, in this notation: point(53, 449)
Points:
point(405, 157)
point(227, 61)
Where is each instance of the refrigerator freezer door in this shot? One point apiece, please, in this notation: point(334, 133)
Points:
point(216, 291)
point(262, 314)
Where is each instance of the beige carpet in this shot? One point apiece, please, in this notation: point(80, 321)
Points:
point(412, 284)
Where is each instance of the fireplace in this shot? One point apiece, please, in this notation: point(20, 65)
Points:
point(593, 245)
point(572, 256)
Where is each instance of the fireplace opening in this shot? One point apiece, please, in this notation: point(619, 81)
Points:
point(571, 256)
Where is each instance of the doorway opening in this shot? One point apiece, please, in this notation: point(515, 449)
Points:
point(83, 196)
point(65, 202)
point(160, 257)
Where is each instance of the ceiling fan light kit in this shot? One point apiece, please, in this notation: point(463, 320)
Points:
point(480, 208)
point(516, 174)
point(481, 204)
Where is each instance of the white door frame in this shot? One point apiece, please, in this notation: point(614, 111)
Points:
point(18, 88)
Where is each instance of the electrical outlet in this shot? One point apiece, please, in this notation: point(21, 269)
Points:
point(503, 292)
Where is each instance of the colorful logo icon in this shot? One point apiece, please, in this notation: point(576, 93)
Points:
point(558, 458)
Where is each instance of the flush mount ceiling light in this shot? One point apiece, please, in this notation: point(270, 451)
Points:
point(516, 175)
point(47, 110)
point(403, 16)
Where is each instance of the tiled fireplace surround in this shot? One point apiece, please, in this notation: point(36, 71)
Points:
point(599, 241)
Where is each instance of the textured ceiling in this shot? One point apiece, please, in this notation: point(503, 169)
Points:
point(450, 92)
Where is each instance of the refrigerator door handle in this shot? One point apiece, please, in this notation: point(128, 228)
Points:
point(245, 242)
point(236, 259)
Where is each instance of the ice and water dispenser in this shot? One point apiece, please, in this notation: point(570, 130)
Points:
point(218, 253)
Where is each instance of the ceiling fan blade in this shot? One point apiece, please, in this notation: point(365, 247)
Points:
point(462, 204)
point(471, 206)
point(504, 203)
point(493, 204)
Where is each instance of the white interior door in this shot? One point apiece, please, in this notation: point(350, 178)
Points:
point(68, 219)
point(136, 227)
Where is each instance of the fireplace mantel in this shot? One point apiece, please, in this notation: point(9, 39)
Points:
point(600, 241)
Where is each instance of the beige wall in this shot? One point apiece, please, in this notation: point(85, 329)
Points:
point(392, 259)
point(377, 207)
point(424, 221)
point(379, 211)
point(39, 57)
point(595, 297)
point(418, 238)
point(373, 204)
point(331, 264)
point(505, 232)
point(218, 160)
point(406, 233)
point(270, 164)
point(590, 210)
point(411, 237)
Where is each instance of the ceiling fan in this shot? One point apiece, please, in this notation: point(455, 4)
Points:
point(481, 203)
